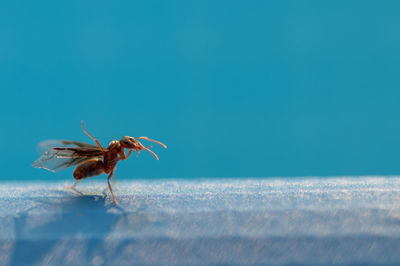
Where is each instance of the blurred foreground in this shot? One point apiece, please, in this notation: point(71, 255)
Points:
point(228, 221)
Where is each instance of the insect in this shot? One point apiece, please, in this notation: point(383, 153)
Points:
point(91, 160)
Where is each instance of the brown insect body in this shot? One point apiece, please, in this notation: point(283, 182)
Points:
point(111, 155)
point(95, 167)
point(91, 160)
point(89, 168)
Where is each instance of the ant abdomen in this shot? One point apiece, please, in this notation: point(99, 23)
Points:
point(89, 168)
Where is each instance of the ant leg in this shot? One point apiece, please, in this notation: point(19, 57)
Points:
point(109, 186)
point(95, 140)
point(73, 186)
point(122, 155)
point(115, 182)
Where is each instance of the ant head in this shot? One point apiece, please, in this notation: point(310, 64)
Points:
point(133, 144)
point(130, 143)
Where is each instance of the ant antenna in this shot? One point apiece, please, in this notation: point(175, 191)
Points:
point(159, 143)
point(95, 140)
point(155, 155)
point(147, 149)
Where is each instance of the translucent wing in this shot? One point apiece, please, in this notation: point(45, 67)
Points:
point(61, 154)
point(47, 144)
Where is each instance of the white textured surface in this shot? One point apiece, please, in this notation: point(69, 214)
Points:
point(228, 221)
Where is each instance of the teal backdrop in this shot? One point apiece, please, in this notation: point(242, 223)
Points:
point(234, 88)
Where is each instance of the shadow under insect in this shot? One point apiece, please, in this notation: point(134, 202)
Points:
point(74, 226)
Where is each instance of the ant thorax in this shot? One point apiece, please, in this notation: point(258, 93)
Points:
point(113, 143)
point(114, 147)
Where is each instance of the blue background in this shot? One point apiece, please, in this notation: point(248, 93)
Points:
point(235, 89)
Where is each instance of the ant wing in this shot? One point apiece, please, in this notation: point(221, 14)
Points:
point(46, 144)
point(61, 156)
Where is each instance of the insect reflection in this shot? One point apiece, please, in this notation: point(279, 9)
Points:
point(91, 160)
